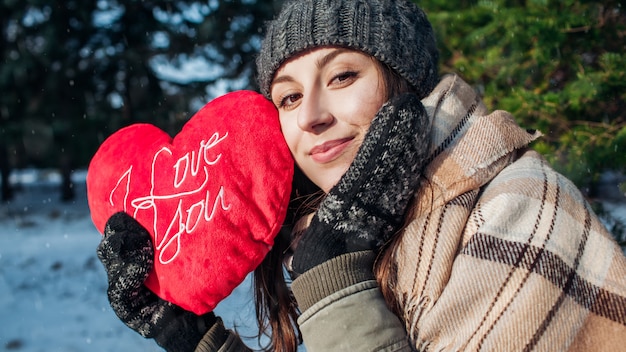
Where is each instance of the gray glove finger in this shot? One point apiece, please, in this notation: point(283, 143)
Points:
point(126, 252)
point(127, 255)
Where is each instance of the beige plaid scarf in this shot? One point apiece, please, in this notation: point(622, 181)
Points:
point(503, 253)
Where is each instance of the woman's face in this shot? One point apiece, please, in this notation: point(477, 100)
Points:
point(326, 100)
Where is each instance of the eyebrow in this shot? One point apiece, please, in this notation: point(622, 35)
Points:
point(324, 60)
point(320, 63)
point(281, 79)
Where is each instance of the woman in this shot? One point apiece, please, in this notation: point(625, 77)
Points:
point(436, 228)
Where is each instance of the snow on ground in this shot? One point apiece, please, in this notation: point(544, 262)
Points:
point(53, 288)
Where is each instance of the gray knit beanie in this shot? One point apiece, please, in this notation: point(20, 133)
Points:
point(396, 32)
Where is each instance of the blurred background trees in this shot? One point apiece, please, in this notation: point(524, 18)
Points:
point(73, 72)
point(558, 66)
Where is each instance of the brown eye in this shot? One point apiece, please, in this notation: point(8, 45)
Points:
point(344, 77)
point(289, 100)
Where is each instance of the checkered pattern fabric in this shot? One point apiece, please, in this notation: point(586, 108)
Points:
point(503, 253)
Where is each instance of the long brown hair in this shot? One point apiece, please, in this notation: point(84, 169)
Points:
point(276, 308)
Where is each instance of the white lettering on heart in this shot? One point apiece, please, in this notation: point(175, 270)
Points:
point(187, 217)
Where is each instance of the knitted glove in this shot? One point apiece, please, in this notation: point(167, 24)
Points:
point(127, 255)
point(368, 203)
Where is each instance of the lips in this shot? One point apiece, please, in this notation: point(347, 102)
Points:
point(330, 150)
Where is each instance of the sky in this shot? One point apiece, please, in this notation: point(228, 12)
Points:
point(53, 288)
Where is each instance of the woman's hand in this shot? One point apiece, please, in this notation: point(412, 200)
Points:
point(127, 255)
point(368, 204)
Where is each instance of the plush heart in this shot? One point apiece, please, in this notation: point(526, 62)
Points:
point(213, 197)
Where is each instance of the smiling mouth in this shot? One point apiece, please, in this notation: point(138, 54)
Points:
point(330, 150)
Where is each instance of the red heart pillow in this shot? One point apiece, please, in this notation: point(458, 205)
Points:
point(213, 197)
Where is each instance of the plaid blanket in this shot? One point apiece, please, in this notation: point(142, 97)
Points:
point(502, 253)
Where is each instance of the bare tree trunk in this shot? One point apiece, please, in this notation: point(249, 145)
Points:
point(65, 167)
point(5, 171)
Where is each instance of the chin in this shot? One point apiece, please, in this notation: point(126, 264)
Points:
point(331, 179)
point(326, 178)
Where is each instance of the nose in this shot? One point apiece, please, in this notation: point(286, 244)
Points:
point(314, 114)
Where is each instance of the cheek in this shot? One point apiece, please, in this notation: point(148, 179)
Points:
point(363, 106)
point(291, 133)
point(375, 102)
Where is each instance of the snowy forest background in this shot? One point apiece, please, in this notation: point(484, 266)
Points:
point(73, 72)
